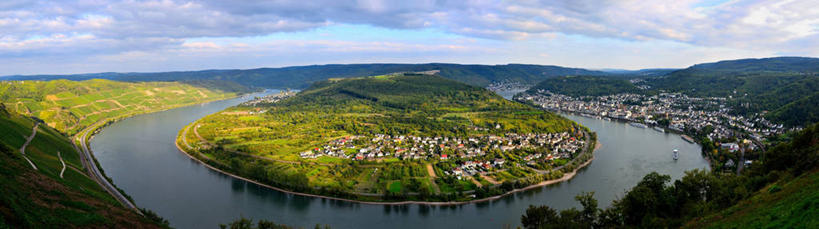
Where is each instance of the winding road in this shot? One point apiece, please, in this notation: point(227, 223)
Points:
point(62, 162)
point(28, 140)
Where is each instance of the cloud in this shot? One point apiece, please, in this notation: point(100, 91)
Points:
point(104, 27)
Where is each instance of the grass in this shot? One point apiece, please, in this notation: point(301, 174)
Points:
point(394, 187)
point(794, 205)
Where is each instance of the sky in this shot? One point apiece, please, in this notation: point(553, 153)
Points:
point(85, 36)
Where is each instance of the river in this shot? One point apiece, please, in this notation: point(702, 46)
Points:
point(139, 155)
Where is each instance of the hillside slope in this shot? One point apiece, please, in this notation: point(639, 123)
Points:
point(789, 204)
point(70, 106)
point(585, 86)
point(53, 195)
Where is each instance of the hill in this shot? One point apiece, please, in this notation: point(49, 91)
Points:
point(70, 106)
point(388, 138)
point(55, 195)
point(303, 76)
point(576, 86)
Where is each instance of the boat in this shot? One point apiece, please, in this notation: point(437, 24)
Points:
point(687, 138)
point(660, 129)
point(676, 153)
point(637, 124)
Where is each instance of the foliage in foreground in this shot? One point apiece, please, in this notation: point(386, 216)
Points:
point(245, 223)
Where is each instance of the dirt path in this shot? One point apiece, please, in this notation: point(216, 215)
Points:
point(474, 181)
point(28, 140)
point(431, 171)
point(62, 162)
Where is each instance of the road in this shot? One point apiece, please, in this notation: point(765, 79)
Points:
point(62, 162)
point(96, 175)
point(28, 140)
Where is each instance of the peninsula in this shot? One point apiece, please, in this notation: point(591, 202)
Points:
point(399, 138)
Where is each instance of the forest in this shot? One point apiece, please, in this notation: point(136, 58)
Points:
point(576, 86)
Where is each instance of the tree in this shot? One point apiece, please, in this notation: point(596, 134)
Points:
point(538, 217)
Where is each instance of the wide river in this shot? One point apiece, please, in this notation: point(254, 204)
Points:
point(139, 155)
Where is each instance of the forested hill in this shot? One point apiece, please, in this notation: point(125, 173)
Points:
point(585, 86)
point(409, 99)
point(303, 76)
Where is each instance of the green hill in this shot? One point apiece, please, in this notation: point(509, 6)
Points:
point(268, 142)
point(44, 198)
point(303, 76)
point(585, 86)
point(70, 106)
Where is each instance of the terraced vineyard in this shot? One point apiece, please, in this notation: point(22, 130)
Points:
point(70, 106)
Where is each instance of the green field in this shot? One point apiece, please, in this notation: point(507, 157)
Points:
point(70, 106)
point(264, 142)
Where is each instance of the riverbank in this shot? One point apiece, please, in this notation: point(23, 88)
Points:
point(81, 142)
point(565, 177)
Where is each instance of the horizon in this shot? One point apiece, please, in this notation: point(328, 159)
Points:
point(609, 70)
point(48, 38)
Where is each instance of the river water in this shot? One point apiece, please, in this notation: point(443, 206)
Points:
point(139, 155)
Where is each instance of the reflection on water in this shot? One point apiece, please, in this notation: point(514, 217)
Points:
point(139, 155)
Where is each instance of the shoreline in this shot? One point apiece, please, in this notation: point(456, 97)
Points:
point(84, 136)
point(565, 177)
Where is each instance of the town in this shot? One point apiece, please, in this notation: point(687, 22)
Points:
point(669, 111)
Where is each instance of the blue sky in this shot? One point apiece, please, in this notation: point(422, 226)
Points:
point(61, 37)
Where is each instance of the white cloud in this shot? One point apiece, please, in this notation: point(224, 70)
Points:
point(39, 29)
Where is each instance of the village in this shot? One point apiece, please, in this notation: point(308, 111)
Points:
point(469, 154)
point(272, 98)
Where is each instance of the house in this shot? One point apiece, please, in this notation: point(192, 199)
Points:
point(732, 147)
point(499, 162)
point(444, 157)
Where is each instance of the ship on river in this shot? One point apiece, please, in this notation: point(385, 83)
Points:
point(660, 129)
point(676, 154)
point(687, 138)
point(637, 124)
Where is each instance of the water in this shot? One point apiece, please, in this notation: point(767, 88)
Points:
point(139, 155)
